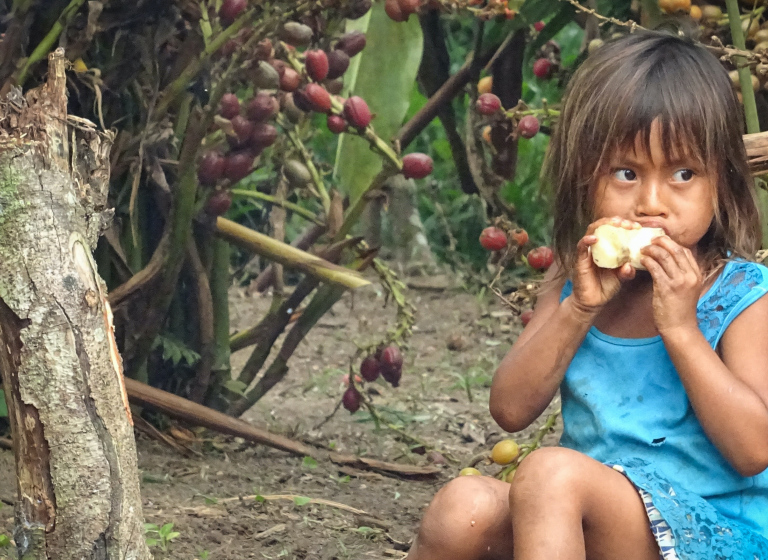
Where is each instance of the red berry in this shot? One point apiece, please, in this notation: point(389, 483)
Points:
point(520, 237)
point(290, 80)
point(408, 7)
point(352, 399)
point(243, 128)
point(238, 165)
point(391, 361)
point(338, 62)
point(262, 107)
point(541, 258)
point(352, 43)
point(231, 9)
point(336, 124)
point(356, 112)
point(230, 47)
point(528, 126)
point(493, 239)
point(542, 68)
point(316, 63)
point(525, 316)
point(211, 168)
point(264, 50)
point(334, 87)
point(218, 203)
point(417, 166)
point(487, 104)
point(229, 106)
point(392, 9)
point(264, 135)
point(539, 26)
point(278, 65)
point(370, 368)
point(318, 98)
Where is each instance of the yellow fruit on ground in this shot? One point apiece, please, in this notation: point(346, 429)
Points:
point(672, 6)
point(505, 452)
point(470, 471)
point(695, 13)
point(711, 13)
point(510, 476)
point(485, 85)
point(750, 28)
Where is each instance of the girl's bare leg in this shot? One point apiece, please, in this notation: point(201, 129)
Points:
point(568, 506)
point(468, 519)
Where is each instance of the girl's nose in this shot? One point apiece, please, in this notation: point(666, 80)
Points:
point(650, 200)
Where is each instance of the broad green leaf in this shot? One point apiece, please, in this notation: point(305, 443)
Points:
point(309, 463)
point(384, 77)
point(3, 406)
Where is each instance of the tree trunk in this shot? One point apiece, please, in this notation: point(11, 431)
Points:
point(77, 477)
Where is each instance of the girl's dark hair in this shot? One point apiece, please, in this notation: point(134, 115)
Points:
point(613, 99)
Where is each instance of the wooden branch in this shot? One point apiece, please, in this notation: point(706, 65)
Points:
point(757, 152)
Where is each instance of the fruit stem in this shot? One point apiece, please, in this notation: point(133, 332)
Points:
point(745, 76)
point(303, 212)
point(307, 157)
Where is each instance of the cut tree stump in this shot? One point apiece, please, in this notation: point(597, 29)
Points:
point(75, 453)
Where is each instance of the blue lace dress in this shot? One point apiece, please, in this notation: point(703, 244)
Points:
point(624, 405)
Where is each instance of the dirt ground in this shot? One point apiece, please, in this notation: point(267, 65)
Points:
point(209, 498)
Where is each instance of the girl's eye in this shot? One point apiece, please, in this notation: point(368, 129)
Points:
point(624, 175)
point(683, 175)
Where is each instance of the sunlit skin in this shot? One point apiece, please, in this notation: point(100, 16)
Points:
point(563, 504)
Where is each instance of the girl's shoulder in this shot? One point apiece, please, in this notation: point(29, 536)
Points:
point(739, 285)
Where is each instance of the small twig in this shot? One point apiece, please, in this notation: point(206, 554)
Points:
point(331, 415)
point(633, 26)
point(292, 497)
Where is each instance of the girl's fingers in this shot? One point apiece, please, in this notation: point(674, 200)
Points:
point(626, 272)
point(677, 253)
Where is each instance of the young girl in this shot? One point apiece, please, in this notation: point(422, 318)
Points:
point(663, 373)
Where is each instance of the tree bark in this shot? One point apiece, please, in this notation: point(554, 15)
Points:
point(77, 477)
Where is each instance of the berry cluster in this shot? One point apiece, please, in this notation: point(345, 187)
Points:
point(386, 362)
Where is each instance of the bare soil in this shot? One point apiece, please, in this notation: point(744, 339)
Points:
point(442, 402)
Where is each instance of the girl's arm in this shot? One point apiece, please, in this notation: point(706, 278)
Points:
point(530, 374)
point(728, 395)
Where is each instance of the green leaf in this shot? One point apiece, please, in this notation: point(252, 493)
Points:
point(309, 463)
point(166, 529)
point(384, 77)
point(151, 542)
point(3, 405)
point(172, 535)
point(236, 386)
point(5, 541)
point(260, 499)
point(301, 500)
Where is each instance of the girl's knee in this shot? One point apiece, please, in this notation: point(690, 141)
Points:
point(465, 513)
point(554, 472)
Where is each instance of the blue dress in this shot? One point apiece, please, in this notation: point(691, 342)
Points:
point(624, 405)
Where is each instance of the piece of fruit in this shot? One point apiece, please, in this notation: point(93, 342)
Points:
point(409, 7)
point(265, 76)
point(392, 9)
point(417, 166)
point(540, 258)
point(352, 399)
point(336, 124)
point(229, 106)
point(528, 126)
point(218, 203)
point(487, 135)
point(695, 13)
point(510, 476)
point(264, 50)
point(487, 104)
point(262, 107)
point(750, 27)
point(470, 471)
point(673, 6)
point(211, 168)
point(243, 128)
point(231, 9)
point(493, 239)
point(594, 44)
point(485, 85)
point(334, 87)
point(351, 43)
point(520, 237)
point(316, 62)
point(370, 369)
point(542, 68)
point(297, 34)
point(338, 62)
point(525, 317)
point(278, 65)
point(711, 13)
point(297, 173)
point(263, 135)
point(391, 364)
point(616, 245)
point(356, 112)
point(238, 165)
point(318, 98)
point(539, 26)
point(505, 452)
point(358, 8)
point(290, 80)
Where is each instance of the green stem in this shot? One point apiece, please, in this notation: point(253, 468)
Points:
point(307, 157)
point(220, 295)
point(303, 212)
point(44, 47)
point(745, 76)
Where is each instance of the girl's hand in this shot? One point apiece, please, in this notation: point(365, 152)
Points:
point(593, 286)
point(677, 282)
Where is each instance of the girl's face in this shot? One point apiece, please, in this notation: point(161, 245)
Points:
point(657, 189)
